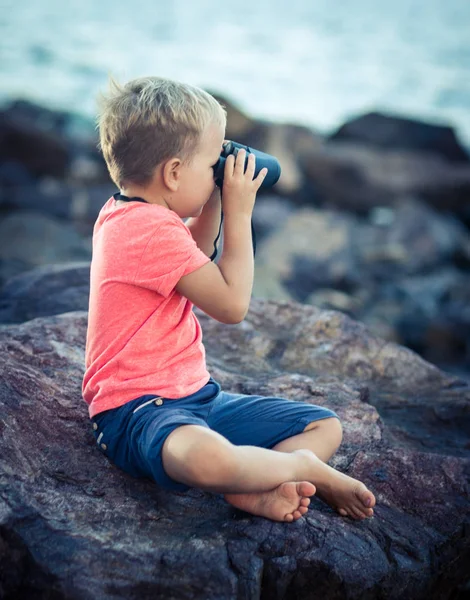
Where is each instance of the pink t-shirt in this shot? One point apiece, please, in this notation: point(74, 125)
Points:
point(143, 336)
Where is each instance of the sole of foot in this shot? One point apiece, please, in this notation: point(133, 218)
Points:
point(287, 502)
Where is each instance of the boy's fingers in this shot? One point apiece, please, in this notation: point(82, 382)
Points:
point(240, 162)
point(250, 169)
point(261, 175)
point(229, 165)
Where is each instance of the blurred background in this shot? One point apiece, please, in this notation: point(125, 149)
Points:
point(366, 105)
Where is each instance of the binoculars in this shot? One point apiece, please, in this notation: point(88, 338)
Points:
point(262, 160)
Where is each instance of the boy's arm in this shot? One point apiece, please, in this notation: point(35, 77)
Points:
point(205, 228)
point(223, 290)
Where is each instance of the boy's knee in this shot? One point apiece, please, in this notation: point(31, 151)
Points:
point(335, 429)
point(199, 456)
point(332, 425)
point(214, 463)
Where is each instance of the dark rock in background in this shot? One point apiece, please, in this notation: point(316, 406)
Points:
point(45, 291)
point(73, 525)
point(33, 239)
point(393, 132)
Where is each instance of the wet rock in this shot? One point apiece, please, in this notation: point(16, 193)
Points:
point(64, 507)
point(400, 133)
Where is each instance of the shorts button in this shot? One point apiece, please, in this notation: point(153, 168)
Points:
point(95, 426)
point(158, 401)
point(104, 446)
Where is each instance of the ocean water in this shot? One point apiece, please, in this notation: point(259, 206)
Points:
point(305, 61)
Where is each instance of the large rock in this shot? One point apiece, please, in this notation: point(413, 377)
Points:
point(394, 132)
point(358, 177)
point(72, 525)
point(72, 201)
point(33, 142)
point(48, 290)
point(31, 239)
point(402, 271)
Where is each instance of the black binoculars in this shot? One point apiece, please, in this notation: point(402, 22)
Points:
point(262, 160)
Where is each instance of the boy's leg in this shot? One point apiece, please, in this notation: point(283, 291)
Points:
point(246, 475)
point(200, 457)
point(258, 420)
point(321, 437)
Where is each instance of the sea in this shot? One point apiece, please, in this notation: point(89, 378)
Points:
point(311, 62)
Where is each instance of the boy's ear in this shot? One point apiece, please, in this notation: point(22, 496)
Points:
point(171, 173)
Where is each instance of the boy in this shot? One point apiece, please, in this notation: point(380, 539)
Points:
point(156, 412)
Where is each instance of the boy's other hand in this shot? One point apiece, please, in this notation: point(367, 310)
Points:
point(239, 188)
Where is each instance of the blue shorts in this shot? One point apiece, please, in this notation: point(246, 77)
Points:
point(132, 435)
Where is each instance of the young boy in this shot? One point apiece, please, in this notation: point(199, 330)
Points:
point(155, 410)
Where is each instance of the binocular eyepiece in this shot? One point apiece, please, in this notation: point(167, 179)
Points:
point(262, 160)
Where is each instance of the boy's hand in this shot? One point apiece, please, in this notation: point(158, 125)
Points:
point(239, 188)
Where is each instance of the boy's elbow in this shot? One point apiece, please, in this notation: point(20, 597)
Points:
point(235, 315)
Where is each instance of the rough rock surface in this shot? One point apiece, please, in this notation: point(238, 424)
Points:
point(74, 526)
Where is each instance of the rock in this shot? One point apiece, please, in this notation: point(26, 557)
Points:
point(416, 240)
point(358, 178)
point(48, 290)
point(35, 239)
point(73, 201)
point(397, 274)
point(74, 525)
point(37, 147)
point(313, 249)
point(399, 133)
point(269, 214)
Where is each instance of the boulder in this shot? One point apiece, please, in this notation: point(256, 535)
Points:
point(71, 201)
point(357, 177)
point(47, 290)
point(33, 239)
point(402, 270)
point(400, 133)
point(72, 525)
point(39, 147)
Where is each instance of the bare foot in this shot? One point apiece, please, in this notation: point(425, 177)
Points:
point(348, 496)
point(288, 502)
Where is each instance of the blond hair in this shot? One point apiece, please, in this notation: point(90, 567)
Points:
point(149, 120)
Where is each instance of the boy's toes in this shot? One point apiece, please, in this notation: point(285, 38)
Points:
point(303, 510)
point(289, 518)
point(367, 498)
point(305, 488)
point(357, 513)
point(342, 512)
point(305, 502)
